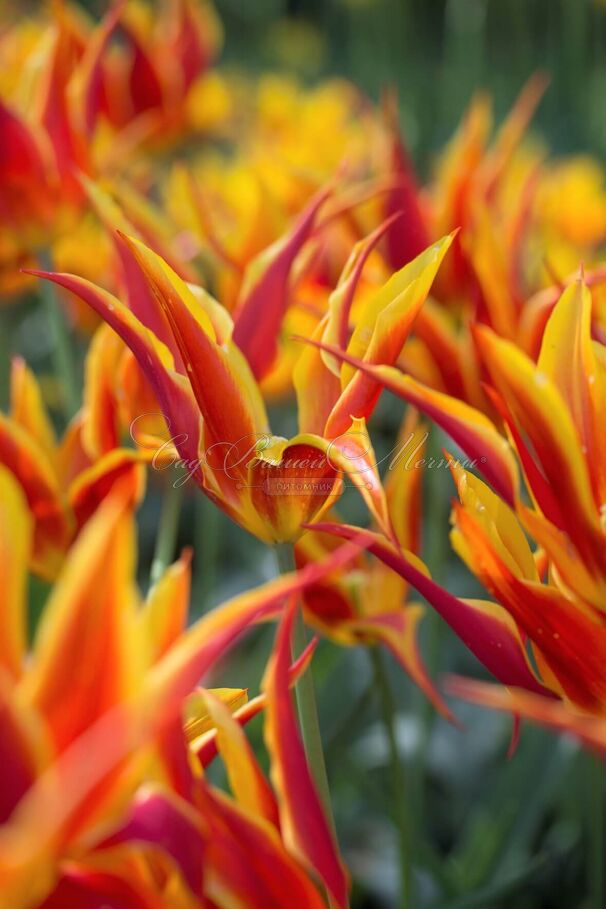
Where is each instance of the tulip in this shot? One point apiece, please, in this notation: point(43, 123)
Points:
point(212, 404)
point(134, 819)
point(63, 481)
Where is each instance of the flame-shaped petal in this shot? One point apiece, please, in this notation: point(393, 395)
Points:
point(304, 826)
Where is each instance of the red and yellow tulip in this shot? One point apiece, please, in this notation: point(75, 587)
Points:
point(100, 800)
point(552, 598)
point(183, 342)
point(368, 604)
point(63, 481)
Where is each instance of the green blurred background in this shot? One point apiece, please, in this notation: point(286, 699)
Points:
point(438, 52)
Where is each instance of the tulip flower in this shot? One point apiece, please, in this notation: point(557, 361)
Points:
point(368, 604)
point(63, 481)
point(510, 246)
point(39, 197)
point(85, 86)
point(552, 411)
point(212, 404)
point(117, 736)
point(124, 84)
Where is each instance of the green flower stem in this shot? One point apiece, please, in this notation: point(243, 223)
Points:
point(207, 530)
point(166, 539)
point(62, 353)
point(597, 854)
point(397, 767)
point(306, 696)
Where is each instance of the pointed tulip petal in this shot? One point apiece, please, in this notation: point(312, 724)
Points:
point(28, 410)
point(409, 236)
point(89, 613)
point(15, 543)
point(180, 670)
point(571, 640)
point(550, 440)
point(223, 386)
point(381, 332)
point(304, 826)
point(560, 716)
point(175, 398)
point(24, 458)
point(205, 745)
point(468, 427)
point(247, 865)
point(266, 291)
point(247, 782)
point(485, 628)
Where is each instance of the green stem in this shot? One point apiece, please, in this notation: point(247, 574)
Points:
point(306, 696)
point(166, 539)
point(207, 530)
point(597, 856)
point(62, 351)
point(400, 803)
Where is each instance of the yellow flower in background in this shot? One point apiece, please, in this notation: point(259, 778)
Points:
point(571, 207)
point(82, 98)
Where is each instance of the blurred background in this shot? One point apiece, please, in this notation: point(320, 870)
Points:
point(487, 832)
point(437, 53)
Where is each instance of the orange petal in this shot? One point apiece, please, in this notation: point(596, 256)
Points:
point(15, 544)
point(336, 328)
point(29, 465)
point(304, 826)
point(403, 485)
point(499, 524)
point(197, 721)
point(101, 424)
point(28, 410)
point(352, 453)
point(180, 670)
point(24, 175)
point(175, 398)
point(290, 483)
point(316, 387)
point(90, 488)
point(205, 745)
point(24, 748)
point(247, 782)
point(468, 427)
point(408, 237)
point(549, 443)
point(381, 332)
point(559, 716)
point(164, 615)
point(571, 637)
point(91, 613)
point(265, 293)
point(224, 388)
point(246, 863)
point(485, 628)
point(568, 358)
